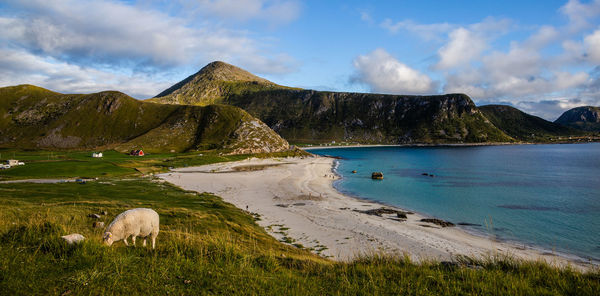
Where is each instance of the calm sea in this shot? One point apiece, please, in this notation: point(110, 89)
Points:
point(545, 196)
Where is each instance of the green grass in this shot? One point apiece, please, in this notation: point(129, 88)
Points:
point(70, 164)
point(209, 247)
point(206, 246)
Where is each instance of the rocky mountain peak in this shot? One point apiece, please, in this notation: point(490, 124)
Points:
point(214, 72)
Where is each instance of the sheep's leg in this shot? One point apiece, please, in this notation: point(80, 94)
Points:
point(144, 242)
point(153, 241)
point(133, 240)
point(125, 241)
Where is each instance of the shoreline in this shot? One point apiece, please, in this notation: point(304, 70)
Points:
point(439, 145)
point(412, 145)
point(298, 204)
point(474, 232)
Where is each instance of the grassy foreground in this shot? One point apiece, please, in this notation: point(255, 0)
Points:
point(207, 246)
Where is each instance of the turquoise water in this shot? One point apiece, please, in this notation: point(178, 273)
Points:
point(545, 196)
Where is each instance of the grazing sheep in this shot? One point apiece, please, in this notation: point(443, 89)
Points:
point(137, 222)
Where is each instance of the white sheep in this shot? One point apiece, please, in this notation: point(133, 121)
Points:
point(136, 222)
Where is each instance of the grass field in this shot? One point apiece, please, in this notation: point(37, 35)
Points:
point(209, 247)
point(65, 164)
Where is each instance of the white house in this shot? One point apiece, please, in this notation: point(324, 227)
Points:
point(99, 154)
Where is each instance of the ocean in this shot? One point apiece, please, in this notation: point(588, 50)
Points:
point(542, 196)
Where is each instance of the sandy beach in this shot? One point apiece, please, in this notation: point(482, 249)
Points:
point(297, 202)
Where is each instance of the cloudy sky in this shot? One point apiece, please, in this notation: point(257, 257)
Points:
point(540, 56)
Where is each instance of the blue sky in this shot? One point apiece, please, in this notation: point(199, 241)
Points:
point(540, 56)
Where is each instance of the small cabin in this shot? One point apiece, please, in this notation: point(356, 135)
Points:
point(12, 162)
point(97, 155)
point(137, 152)
point(377, 175)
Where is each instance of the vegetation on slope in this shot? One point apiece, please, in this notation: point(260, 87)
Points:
point(212, 84)
point(207, 246)
point(584, 118)
point(313, 116)
point(34, 118)
point(525, 127)
point(306, 116)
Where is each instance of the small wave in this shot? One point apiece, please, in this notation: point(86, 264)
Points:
point(532, 208)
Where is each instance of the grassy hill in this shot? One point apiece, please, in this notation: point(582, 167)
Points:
point(306, 116)
point(33, 118)
point(584, 118)
point(212, 84)
point(209, 247)
point(525, 127)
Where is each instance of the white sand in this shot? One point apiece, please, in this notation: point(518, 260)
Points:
point(298, 194)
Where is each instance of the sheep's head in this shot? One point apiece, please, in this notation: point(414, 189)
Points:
point(107, 238)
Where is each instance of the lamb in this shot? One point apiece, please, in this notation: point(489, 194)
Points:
point(136, 222)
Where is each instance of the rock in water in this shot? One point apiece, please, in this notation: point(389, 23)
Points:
point(73, 238)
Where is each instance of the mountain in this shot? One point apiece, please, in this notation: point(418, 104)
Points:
point(32, 118)
point(307, 116)
point(584, 118)
point(523, 126)
point(213, 83)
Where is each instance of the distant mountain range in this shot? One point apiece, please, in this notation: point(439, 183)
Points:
point(308, 116)
point(584, 118)
point(32, 118)
point(224, 107)
point(525, 127)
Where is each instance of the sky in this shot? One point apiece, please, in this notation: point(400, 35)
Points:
point(542, 57)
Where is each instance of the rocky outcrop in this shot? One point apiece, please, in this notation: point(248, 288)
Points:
point(253, 136)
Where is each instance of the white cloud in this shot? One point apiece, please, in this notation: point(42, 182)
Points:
point(384, 73)
point(112, 33)
point(275, 11)
point(366, 17)
point(425, 31)
point(464, 46)
point(592, 47)
point(543, 37)
point(20, 67)
point(580, 14)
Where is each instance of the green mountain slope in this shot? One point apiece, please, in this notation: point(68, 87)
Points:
point(584, 118)
point(33, 118)
point(306, 116)
point(212, 84)
point(523, 126)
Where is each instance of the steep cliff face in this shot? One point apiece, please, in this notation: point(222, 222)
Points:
point(34, 118)
point(523, 126)
point(306, 116)
point(311, 116)
point(584, 118)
